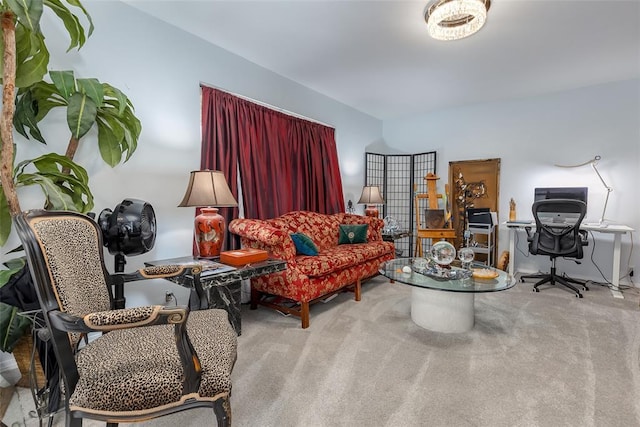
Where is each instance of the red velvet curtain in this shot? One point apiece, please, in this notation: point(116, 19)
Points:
point(285, 163)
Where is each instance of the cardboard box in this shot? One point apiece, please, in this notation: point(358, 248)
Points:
point(243, 256)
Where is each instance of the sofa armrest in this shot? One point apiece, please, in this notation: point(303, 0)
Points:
point(262, 235)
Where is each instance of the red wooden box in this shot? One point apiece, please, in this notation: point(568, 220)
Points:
point(243, 256)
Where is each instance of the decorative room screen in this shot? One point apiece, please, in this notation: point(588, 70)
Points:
point(396, 175)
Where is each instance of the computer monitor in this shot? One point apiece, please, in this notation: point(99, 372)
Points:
point(574, 193)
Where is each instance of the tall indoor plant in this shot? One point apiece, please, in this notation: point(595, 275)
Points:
point(27, 98)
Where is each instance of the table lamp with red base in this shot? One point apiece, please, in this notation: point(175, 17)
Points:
point(371, 197)
point(208, 189)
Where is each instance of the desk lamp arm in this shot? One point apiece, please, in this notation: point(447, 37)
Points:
point(609, 189)
point(593, 162)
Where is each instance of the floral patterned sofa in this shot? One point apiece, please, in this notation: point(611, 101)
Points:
point(307, 279)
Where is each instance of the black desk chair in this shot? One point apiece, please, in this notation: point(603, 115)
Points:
point(557, 240)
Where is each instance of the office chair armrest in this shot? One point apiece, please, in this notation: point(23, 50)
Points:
point(529, 235)
point(584, 237)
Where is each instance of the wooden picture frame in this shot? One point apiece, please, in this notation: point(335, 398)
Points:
point(474, 184)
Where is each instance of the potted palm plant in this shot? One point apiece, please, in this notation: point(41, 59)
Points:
point(26, 99)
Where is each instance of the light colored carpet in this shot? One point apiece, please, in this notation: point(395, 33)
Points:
point(532, 359)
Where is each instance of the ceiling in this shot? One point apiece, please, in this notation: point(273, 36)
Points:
point(376, 56)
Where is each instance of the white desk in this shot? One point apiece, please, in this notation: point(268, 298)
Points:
point(616, 229)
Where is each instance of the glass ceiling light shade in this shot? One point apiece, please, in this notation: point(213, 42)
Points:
point(208, 189)
point(456, 19)
point(371, 196)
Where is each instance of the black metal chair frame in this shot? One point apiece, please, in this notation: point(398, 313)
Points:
point(548, 239)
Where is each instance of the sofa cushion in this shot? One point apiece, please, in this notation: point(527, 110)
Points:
point(304, 244)
point(321, 227)
point(355, 233)
point(375, 224)
point(340, 257)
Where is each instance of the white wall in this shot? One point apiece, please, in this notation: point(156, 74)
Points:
point(160, 68)
point(533, 134)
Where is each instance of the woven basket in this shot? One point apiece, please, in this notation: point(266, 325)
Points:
point(22, 353)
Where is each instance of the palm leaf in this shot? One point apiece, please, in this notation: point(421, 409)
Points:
point(28, 12)
point(63, 191)
point(12, 325)
point(81, 114)
point(71, 23)
point(109, 144)
point(93, 89)
point(65, 83)
point(33, 67)
point(77, 4)
point(5, 219)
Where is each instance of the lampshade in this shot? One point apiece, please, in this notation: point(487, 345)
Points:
point(371, 196)
point(208, 188)
point(456, 19)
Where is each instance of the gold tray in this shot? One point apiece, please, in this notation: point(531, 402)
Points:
point(484, 273)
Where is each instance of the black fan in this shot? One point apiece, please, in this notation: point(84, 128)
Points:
point(130, 229)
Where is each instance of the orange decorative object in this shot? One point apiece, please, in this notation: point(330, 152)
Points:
point(372, 210)
point(243, 256)
point(209, 232)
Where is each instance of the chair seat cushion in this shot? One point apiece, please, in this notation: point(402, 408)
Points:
point(118, 373)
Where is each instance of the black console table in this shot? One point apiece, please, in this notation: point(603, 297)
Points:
point(392, 236)
point(220, 289)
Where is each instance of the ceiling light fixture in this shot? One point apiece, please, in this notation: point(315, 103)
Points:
point(455, 19)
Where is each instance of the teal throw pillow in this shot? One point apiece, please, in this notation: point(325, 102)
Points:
point(304, 244)
point(356, 233)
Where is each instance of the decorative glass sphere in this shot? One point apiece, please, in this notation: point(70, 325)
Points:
point(466, 255)
point(443, 252)
point(390, 225)
point(420, 264)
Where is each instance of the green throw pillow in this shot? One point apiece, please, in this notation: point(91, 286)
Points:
point(304, 244)
point(356, 233)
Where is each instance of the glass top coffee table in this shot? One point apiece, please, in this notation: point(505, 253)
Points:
point(444, 305)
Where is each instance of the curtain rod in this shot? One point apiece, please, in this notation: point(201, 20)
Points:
point(264, 104)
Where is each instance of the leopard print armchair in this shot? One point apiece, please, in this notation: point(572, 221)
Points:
point(153, 361)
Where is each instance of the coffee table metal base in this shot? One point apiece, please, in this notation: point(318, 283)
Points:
point(441, 311)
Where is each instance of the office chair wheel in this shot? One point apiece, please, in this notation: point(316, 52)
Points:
point(536, 290)
point(578, 295)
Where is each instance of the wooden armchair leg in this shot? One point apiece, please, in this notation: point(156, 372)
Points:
point(304, 314)
point(358, 292)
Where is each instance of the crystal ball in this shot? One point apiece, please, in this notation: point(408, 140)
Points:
point(420, 264)
point(466, 255)
point(443, 252)
point(390, 225)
